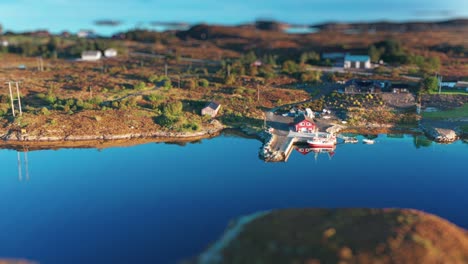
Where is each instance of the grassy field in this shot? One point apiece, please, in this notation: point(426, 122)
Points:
point(459, 112)
point(451, 92)
point(464, 129)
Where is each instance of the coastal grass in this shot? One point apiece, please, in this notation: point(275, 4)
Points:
point(450, 92)
point(459, 112)
point(464, 129)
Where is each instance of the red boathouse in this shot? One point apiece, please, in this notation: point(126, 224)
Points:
point(304, 124)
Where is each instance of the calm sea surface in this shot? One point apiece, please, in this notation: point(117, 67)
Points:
point(161, 203)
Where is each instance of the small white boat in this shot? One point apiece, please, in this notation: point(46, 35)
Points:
point(351, 140)
point(368, 141)
point(322, 142)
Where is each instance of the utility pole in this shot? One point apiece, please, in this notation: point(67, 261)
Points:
point(12, 99)
point(40, 64)
point(440, 83)
point(19, 99)
point(165, 68)
point(258, 92)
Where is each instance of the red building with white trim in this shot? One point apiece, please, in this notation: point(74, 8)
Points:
point(304, 124)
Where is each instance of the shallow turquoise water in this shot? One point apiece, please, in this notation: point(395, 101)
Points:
point(161, 203)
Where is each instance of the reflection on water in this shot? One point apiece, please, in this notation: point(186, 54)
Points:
point(160, 203)
point(23, 164)
point(305, 149)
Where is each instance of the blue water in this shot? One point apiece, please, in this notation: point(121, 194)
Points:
point(161, 203)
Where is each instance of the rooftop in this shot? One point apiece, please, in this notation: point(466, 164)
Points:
point(357, 58)
point(213, 105)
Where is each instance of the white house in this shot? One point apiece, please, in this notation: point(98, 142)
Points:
point(86, 34)
point(91, 55)
point(357, 62)
point(4, 43)
point(109, 53)
point(211, 109)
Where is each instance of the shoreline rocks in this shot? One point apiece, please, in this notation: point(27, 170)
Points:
point(16, 137)
point(441, 135)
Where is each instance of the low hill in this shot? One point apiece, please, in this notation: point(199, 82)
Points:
point(341, 236)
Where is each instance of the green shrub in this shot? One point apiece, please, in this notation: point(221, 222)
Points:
point(139, 86)
point(203, 83)
point(45, 111)
point(153, 78)
point(189, 84)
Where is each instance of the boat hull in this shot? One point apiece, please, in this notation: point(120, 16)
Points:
point(321, 145)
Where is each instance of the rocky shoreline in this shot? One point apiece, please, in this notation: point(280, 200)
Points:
point(17, 138)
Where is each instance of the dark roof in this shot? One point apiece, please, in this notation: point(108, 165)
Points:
point(400, 85)
point(213, 105)
point(301, 118)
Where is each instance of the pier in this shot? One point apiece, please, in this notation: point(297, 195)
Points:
point(280, 147)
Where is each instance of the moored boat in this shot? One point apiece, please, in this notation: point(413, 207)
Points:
point(322, 142)
point(368, 141)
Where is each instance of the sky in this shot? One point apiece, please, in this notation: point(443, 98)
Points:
point(73, 15)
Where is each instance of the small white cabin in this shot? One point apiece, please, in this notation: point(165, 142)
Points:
point(91, 55)
point(109, 53)
point(211, 109)
point(86, 34)
point(357, 62)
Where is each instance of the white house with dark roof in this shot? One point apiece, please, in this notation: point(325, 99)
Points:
point(357, 62)
point(211, 109)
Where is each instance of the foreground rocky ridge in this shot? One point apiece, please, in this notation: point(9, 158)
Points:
point(341, 236)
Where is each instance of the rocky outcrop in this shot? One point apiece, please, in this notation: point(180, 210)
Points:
point(442, 135)
point(13, 136)
point(340, 236)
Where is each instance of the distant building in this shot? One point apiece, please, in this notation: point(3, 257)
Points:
point(357, 62)
point(109, 53)
point(303, 123)
point(39, 33)
point(333, 55)
point(91, 55)
point(335, 58)
point(86, 34)
point(118, 36)
point(4, 43)
point(400, 88)
point(356, 86)
point(462, 85)
point(65, 34)
point(257, 63)
point(211, 109)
